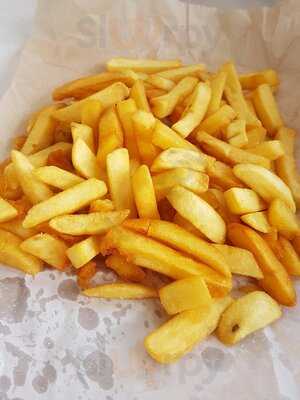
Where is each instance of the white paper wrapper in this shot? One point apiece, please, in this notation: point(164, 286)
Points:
point(58, 345)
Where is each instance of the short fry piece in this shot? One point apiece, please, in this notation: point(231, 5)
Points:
point(271, 149)
point(252, 80)
point(138, 94)
point(283, 219)
point(90, 115)
point(84, 132)
point(7, 211)
point(83, 252)
point(243, 201)
point(258, 221)
point(286, 253)
point(129, 291)
point(217, 121)
point(141, 65)
point(84, 160)
point(221, 175)
point(235, 133)
point(125, 270)
point(57, 177)
point(255, 136)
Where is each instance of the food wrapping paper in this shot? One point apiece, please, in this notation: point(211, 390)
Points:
point(56, 344)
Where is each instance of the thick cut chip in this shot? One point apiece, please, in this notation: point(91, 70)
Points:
point(57, 177)
point(7, 211)
point(272, 149)
point(258, 221)
point(141, 65)
point(83, 252)
point(15, 226)
point(124, 269)
point(85, 161)
point(242, 201)
point(138, 94)
point(255, 137)
point(283, 219)
point(101, 205)
point(222, 176)
point(235, 133)
point(84, 132)
point(217, 121)
point(129, 291)
point(252, 80)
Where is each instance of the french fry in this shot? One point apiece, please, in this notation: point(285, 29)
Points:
point(217, 85)
point(90, 115)
point(251, 107)
point(11, 254)
point(151, 93)
point(199, 213)
point(85, 274)
point(192, 180)
point(240, 261)
point(144, 194)
point(47, 248)
point(15, 226)
point(163, 106)
point(235, 133)
point(182, 240)
point(124, 269)
point(160, 82)
point(35, 190)
point(265, 183)
point(276, 281)
point(258, 221)
point(138, 94)
point(266, 108)
point(216, 122)
point(65, 202)
point(228, 153)
point(252, 80)
point(101, 205)
point(156, 256)
point(88, 224)
point(255, 137)
point(185, 224)
point(83, 252)
point(119, 182)
point(195, 112)
point(176, 74)
point(221, 175)
point(271, 149)
point(216, 199)
point(283, 219)
point(180, 334)
point(57, 177)
point(129, 291)
point(7, 211)
point(141, 65)
point(185, 294)
point(85, 161)
point(84, 132)
point(243, 201)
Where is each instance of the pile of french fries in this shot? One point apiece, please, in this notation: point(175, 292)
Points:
point(160, 166)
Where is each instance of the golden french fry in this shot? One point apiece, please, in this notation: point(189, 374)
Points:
point(266, 108)
point(176, 74)
point(235, 133)
point(192, 180)
point(195, 113)
point(164, 105)
point(149, 253)
point(84, 132)
point(83, 252)
point(265, 183)
point(243, 201)
point(65, 202)
point(119, 182)
point(276, 281)
point(246, 315)
point(252, 80)
point(258, 221)
point(88, 224)
point(47, 248)
point(271, 149)
point(185, 294)
point(144, 194)
point(255, 137)
point(141, 65)
point(180, 334)
point(101, 205)
point(11, 254)
point(283, 219)
point(7, 211)
point(217, 85)
point(199, 213)
point(241, 261)
point(217, 121)
point(138, 94)
point(15, 226)
point(35, 190)
point(160, 82)
point(151, 93)
point(125, 270)
point(185, 224)
point(129, 291)
point(85, 161)
point(228, 153)
point(221, 175)
point(57, 177)
point(286, 253)
point(216, 199)
point(90, 115)
point(182, 240)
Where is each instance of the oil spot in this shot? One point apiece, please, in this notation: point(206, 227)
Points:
point(121, 313)
point(4, 329)
point(48, 343)
point(68, 289)
point(49, 373)
point(99, 368)
point(88, 318)
point(21, 369)
point(13, 299)
point(100, 341)
point(40, 384)
point(4, 383)
point(216, 359)
point(52, 276)
point(108, 324)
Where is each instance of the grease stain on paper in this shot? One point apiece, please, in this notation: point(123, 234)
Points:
point(13, 299)
point(68, 290)
point(88, 318)
point(99, 368)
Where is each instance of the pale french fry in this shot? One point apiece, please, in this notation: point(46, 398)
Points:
point(164, 105)
point(217, 121)
point(192, 180)
point(271, 149)
point(243, 201)
point(258, 221)
point(217, 85)
point(65, 202)
point(181, 240)
point(15, 226)
point(126, 110)
point(119, 182)
point(156, 256)
point(185, 294)
point(95, 223)
point(85, 161)
point(107, 97)
point(57, 177)
point(83, 252)
point(221, 175)
point(47, 248)
point(84, 132)
point(176, 74)
point(138, 94)
point(266, 108)
point(240, 261)
point(110, 135)
point(199, 213)
point(252, 80)
point(255, 137)
point(283, 219)
point(11, 254)
point(180, 334)
point(144, 194)
point(125, 269)
point(34, 189)
point(265, 183)
point(141, 65)
point(195, 112)
point(101, 205)
point(7, 211)
point(228, 153)
point(235, 133)
point(276, 281)
point(129, 291)
point(160, 82)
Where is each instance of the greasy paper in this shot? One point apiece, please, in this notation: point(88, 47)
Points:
point(57, 344)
